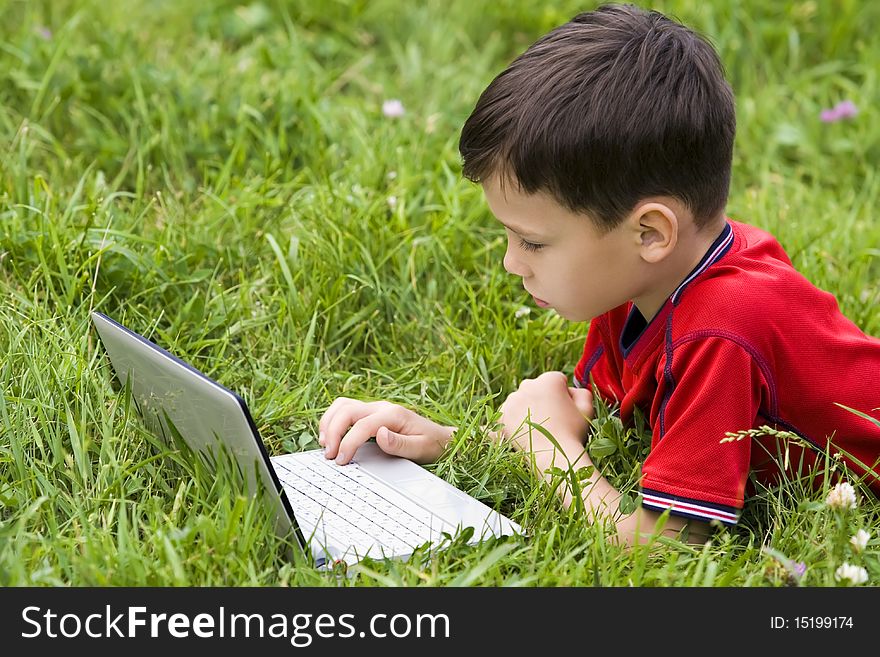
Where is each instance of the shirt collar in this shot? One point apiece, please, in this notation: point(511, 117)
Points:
point(719, 247)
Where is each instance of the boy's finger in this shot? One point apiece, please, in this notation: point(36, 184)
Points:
point(324, 422)
point(360, 432)
point(419, 449)
point(583, 401)
point(345, 415)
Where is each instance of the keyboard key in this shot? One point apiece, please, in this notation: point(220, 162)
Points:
point(352, 508)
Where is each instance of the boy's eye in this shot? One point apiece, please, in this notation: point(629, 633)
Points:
point(529, 246)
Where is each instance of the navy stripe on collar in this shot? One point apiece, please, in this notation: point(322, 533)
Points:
point(719, 247)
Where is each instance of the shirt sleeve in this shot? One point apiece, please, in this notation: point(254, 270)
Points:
point(599, 363)
point(710, 386)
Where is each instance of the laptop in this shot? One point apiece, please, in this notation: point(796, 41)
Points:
point(378, 505)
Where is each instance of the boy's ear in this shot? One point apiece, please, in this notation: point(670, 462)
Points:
point(657, 227)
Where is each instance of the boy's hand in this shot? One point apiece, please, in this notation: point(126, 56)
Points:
point(547, 400)
point(349, 423)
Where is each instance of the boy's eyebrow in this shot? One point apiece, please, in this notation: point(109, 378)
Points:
point(518, 231)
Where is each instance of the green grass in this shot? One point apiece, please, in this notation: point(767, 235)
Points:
point(217, 177)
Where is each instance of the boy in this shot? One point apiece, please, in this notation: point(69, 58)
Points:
point(605, 151)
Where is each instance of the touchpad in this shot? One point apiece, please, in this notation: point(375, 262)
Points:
point(430, 493)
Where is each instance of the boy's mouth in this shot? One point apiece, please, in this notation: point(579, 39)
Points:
point(540, 302)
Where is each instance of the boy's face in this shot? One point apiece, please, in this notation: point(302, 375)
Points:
point(578, 271)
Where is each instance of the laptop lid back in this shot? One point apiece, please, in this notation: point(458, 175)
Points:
point(205, 414)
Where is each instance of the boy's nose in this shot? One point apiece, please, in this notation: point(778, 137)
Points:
point(512, 265)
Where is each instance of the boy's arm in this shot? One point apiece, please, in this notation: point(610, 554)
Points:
point(601, 499)
point(564, 413)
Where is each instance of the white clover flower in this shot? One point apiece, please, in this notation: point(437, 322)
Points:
point(853, 574)
point(522, 311)
point(842, 496)
point(392, 202)
point(393, 109)
point(860, 540)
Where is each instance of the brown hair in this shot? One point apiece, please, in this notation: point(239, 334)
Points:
point(616, 105)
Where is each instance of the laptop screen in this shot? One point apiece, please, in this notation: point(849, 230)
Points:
point(207, 416)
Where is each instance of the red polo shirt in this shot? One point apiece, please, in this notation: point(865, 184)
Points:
point(744, 341)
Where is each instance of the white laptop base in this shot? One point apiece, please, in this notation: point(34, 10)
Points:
point(378, 505)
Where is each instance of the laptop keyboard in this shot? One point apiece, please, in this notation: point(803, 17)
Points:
point(346, 506)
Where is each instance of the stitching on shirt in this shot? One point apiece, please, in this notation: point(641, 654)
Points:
point(667, 375)
point(790, 427)
point(591, 363)
point(748, 347)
